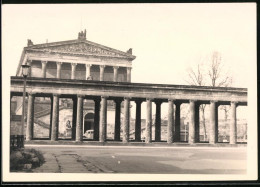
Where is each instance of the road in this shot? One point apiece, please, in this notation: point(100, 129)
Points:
point(150, 160)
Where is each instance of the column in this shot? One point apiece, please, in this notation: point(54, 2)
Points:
point(213, 120)
point(73, 70)
point(29, 62)
point(128, 78)
point(44, 64)
point(55, 118)
point(138, 121)
point(79, 134)
point(192, 122)
point(30, 117)
point(58, 69)
point(117, 119)
point(197, 122)
point(126, 120)
point(103, 119)
point(74, 118)
point(148, 137)
point(96, 119)
point(233, 124)
point(158, 121)
point(51, 98)
point(170, 122)
point(102, 69)
point(116, 73)
point(88, 67)
point(177, 132)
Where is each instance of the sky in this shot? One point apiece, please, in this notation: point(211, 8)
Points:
point(167, 39)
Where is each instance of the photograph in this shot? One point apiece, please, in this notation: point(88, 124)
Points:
point(129, 92)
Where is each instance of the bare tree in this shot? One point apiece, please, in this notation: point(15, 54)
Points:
point(214, 76)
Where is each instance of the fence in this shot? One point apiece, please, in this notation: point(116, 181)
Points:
point(16, 141)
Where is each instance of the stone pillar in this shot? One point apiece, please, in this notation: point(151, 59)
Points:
point(103, 119)
point(197, 122)
point(58, 69)
point(29, 62)
point(192, 122)
point(73, 70)
point(30, 117)
point(44, 64)
point(117, 119)
point(128, 78)
point(138, 121)
point(170, 122)
point(96, 119)
point(148, 137)
point(177, 132)
point(102, 69)
point(126, 120)
point(158, 121)
point(79, 133)
point(51, 98)
point(74, 119)
point(233, 124)
point(55, 118)
point(88, 74)
point(213, 120)
point(116, 73)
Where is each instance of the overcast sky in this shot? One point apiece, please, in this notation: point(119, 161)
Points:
point(166, 38)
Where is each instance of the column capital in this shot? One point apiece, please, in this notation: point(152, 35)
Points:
point(44, 62)
point(102, 66)
point(73, 64)
point(127, 98)
point(57, 95)
point(115, 67)
point(171, 100)
point(88, 65)
point(80, 96)
point(149, 99)
point(59, 63)
point(31, 94)
point(129, 68)
point(104, 97)
point(234, 103)
point(29, 61)
point(193, 100)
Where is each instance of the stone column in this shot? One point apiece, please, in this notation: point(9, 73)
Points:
point(192, 122)
point(128, 78)
point(170, 122)
point(58, 69)
point(74, 118)
point(51, 98)
point(138, 121)
point(126, 120)
point(96, 119)
point(30, 117)
point(158, 121)
point(29, 62)
point(116, 73)
point(103, 119)
point(117, 119)
point(79, 133)
point(73, 70)
point(213, 120)
point(177, 132)
point(55, 118)
point(44, 64)
point(148, 137)
point(88, 74)
point(233, 124)
point(102, 69)
point(197, 122)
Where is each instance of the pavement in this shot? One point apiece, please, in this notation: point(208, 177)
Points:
point(141, 160)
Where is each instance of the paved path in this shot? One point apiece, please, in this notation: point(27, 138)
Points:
point(161, 160)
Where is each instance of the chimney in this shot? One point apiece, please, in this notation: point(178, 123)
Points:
point(29, 43)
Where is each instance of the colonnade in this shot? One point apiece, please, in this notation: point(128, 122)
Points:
point(100, 119)
point(88, 71)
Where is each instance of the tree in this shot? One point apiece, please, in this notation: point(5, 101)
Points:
point(214, 75)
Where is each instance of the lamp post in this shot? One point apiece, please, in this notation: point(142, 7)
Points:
point(25, 70)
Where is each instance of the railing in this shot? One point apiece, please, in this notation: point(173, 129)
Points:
point(16, 141)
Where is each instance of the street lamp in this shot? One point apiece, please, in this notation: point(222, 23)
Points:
point(25, 71)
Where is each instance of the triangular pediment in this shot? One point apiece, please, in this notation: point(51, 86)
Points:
point(80, 48)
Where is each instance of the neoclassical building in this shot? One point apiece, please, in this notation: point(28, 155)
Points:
point(94, 77)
